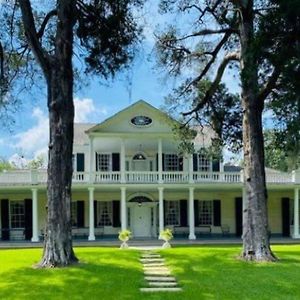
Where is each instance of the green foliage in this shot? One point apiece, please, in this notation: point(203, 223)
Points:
point(278, 154)
point(125, 235)
point(37, 163)
point(204, 272)
point(166, 234)
point(5, 165)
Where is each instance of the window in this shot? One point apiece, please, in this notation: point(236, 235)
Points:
point(17, 213)
point(204, 164)
point(171, 162)
point(105, 213)
point(172, 213)
point(103, 162)
point(205, 212)
point(74, 214)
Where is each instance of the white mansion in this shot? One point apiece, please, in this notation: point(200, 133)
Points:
point(128, 174)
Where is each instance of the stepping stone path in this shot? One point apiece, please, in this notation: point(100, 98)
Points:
point(157, 274)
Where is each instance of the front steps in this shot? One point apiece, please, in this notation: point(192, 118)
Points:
point(157, 274)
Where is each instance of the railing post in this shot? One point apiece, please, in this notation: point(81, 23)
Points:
point(191, 168)
point(160, 162)
point(242, 176)
point(122, 165)
point(92, 164)
point(33, 176)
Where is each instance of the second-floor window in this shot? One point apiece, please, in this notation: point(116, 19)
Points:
point(103, 162)
point(171, 162)
point(204, 164)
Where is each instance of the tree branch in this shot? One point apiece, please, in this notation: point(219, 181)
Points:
point(269, 86)
point(49, 15)
point(234, 56)
point(32, 37)
point(1, 62)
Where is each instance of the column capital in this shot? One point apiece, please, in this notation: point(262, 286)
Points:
point(191, 188)
point(91, 189)
point(34, 189)
point(160, 188)
point(123, 188)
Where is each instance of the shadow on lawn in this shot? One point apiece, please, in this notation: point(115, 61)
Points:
point(98, 276)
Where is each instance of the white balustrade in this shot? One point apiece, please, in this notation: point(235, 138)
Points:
point(31, 177)
point(141, 177)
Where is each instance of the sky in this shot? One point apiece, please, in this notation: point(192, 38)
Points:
point(28, 138)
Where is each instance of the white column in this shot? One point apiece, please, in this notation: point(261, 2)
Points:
point(91, 214)
point(123, 209)
point(122, 164)
point(92, 159)
point(35, 234)
point(191, 168)
point(191, 214)
point(296, 214)
point(160, 162)
point(155, 220)
point(161, 208)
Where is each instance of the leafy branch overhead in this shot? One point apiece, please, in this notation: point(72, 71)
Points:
point(206, 40)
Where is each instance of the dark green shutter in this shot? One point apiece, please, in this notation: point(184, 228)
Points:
point(163, 162)
point(116, 161)
point(96, 160)
point(217, 212)
point(216, 165)
point(183, 213)
point(80, 162)
point(80, 213)
point(285, 215)
point(116, 213)
point(180, 161)
point(95, 214)
point(195, 162)
point(156, 161)
point(5, 219)
point(196, 209)
point(28, 219)
point(238, 216)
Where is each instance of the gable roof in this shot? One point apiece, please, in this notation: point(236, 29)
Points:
point(136, 105)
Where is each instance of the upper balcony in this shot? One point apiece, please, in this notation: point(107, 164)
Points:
point(34, 177)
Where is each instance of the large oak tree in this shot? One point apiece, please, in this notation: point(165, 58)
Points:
point(251, 37)
point(44, 36)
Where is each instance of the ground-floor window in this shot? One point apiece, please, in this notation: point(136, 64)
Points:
point(104, 213)
point(17, 214)
point(172, 213)
point(205, 212)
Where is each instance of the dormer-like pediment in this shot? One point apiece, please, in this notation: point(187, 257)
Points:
point(140, 117)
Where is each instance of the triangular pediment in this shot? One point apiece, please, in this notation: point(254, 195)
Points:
point(140, 117)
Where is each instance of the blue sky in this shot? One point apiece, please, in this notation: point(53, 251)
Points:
point(96, 102)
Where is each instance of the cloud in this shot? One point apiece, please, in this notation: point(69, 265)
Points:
point(18, 160)
point(35, 137)
point(33, 141)
point(83, 108)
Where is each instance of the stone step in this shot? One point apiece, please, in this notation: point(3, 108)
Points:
point(163, 284)
point(161, 289)
point(157, 272)
point(156, 268)
point(151, 256)
point(154, 265)
point(152, 260)
point(160, 278)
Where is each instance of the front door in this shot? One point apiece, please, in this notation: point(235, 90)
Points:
point(141, 220)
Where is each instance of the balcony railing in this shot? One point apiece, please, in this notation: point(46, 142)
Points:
point(32, 177)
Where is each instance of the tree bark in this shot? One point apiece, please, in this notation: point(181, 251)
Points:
point(256, 245)
point(58, 249)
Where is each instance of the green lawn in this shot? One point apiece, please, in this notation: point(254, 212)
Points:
point(210, 272)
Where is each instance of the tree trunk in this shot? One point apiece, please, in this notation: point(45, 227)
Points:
point(256, 244)
point(58, 249)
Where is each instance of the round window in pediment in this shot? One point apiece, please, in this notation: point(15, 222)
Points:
point(141, 121)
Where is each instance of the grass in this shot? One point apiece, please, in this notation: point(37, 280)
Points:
point(207, 272)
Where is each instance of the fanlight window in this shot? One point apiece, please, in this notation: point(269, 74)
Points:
point(139, 156)
point(141, 121)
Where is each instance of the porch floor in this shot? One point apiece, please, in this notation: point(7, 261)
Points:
point(151, 242)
